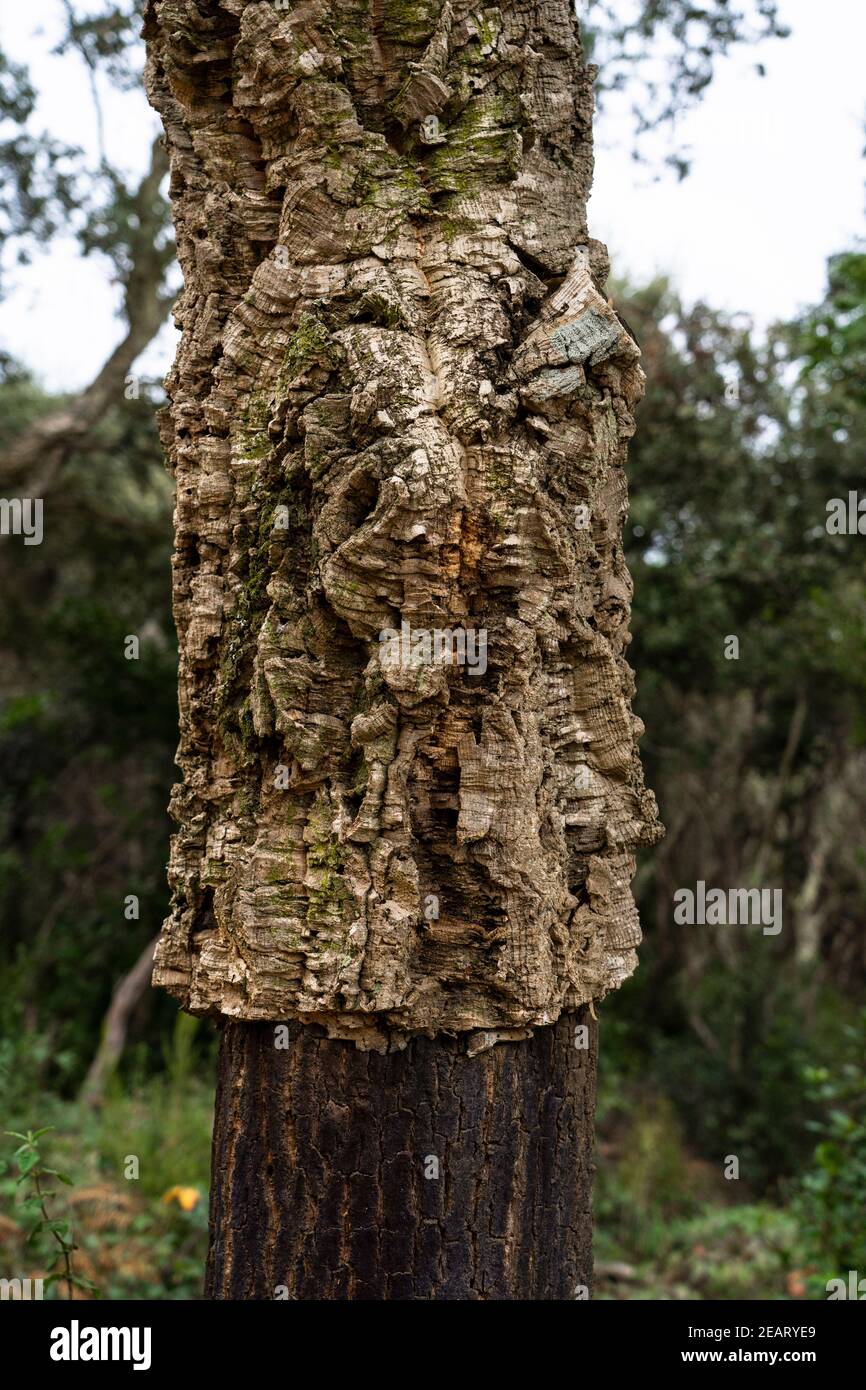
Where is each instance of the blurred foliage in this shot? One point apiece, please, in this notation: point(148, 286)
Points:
point(750, 1251)
point(133, 1237)
point(833, 1190)
point(50, 188)
point(87, 737)
point(40, 176)
point(745, 1043)
point(736, 1084)
point(36, 1182)
point(106, 38)
point(663, 54)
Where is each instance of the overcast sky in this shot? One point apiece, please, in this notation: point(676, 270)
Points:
point(777, 185)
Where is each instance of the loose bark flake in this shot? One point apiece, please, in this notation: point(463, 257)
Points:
point(399, 419)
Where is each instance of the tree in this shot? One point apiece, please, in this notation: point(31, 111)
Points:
point(87, 736)
point(93, 579)
point(411, 792)
point(47, 186)
point(758, 758)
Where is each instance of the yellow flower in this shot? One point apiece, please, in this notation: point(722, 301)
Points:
point(186, 1197)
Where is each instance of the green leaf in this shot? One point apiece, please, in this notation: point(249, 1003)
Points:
point(63, 1177)
point(81, 1283)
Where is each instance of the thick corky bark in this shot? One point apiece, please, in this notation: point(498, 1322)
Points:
point(399, 394)
point(420, 1174)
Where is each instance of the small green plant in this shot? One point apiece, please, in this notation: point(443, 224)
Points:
point(833, 1192)
point(34, 1171)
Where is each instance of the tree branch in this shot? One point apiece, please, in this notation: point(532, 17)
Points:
point(35, 459)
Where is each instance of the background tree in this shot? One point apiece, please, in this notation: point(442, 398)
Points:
point(658, 57)
point(47, 186)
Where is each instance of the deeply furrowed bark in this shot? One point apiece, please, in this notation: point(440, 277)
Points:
point(420, 1174)
point(399, 393)
point(399, 419)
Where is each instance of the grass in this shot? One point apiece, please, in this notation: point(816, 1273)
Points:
point(139, 1167)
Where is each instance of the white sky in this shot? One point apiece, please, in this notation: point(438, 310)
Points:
point(777, 185)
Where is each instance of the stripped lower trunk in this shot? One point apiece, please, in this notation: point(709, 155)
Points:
point(421, 1174)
